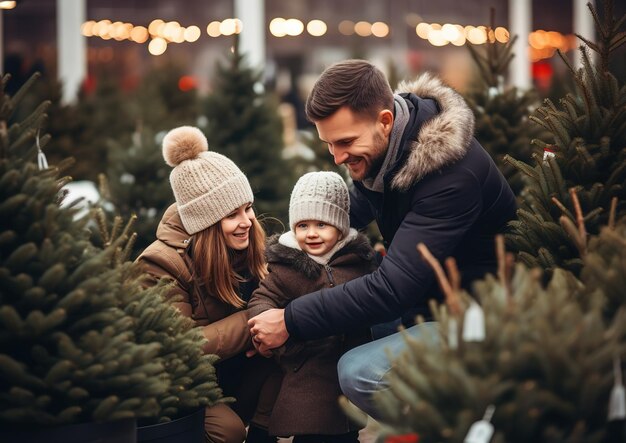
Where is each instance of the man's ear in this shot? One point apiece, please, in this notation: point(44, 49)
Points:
point(385, 118)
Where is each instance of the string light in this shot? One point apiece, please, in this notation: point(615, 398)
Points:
point(542, 44)
point(316, 28)
point(7, 4)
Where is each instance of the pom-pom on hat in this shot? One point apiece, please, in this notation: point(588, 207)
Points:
point(321, 196)
point(207, 186)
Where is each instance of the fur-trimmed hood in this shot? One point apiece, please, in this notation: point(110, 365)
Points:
point(443, 139)
point(276, 252)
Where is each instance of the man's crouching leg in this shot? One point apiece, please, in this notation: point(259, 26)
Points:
point(362, 370)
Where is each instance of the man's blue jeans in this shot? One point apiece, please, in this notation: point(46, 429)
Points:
point(362, 370)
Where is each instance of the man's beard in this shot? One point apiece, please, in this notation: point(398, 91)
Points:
point(379, 151)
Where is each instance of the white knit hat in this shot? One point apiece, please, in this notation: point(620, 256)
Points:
point(207, 186)
point(320, 196)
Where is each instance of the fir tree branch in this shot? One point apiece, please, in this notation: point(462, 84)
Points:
point(504, 270)
point(612, 213)
point(451, 298)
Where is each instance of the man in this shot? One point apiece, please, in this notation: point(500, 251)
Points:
point(418, 172)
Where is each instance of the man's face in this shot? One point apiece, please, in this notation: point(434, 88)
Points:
point(357, 141)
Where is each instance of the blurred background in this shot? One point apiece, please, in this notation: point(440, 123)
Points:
point(119, 73)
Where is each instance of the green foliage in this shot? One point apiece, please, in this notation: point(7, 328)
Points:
point(138, 183)
point(84, 130)
point(74, 347)
point(588, 132)
point(605, 266)
point(68, 353)
point(502, 124)
point(244, 125)
point(159, 103)
point(190, 372)
point(545, 364)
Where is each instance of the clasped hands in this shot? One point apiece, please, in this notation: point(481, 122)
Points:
point(268, 331)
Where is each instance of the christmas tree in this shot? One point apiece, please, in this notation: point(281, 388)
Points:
point(86, 129)
point(587, 152)
point(68, 353)
point(502, 124)
point(138, 183)
point(534, 361)
point(193, 381)
point(166, 99)
point(244, 124)
point(81, 339)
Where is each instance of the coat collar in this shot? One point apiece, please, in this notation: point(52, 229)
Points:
point(276, 252)
point(171, 231)
point(442, 139)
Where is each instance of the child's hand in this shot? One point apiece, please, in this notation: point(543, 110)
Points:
point(256, 350)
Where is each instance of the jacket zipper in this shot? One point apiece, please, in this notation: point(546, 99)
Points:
point(329, 272)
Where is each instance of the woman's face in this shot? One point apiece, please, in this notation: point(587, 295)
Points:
point(236, 227)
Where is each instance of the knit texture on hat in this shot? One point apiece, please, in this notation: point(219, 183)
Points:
point(207, 186)
point(321, 196)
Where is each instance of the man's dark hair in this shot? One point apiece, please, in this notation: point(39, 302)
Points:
point(357, 84)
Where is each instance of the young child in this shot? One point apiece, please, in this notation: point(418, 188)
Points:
point(319, 251)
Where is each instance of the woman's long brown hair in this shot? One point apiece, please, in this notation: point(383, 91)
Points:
point(213, 265)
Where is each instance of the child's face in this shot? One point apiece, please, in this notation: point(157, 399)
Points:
point(316, 237)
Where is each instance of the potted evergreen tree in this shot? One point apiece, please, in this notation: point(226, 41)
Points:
point(192, 379)
point(85, 349)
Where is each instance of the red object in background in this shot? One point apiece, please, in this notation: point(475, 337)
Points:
point(542, 74)
point(405, 438)
point(89, 84)
point(187, 83)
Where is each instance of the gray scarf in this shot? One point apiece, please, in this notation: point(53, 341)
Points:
point(401, 118)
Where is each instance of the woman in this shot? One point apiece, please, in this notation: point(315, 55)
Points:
point(211, 244)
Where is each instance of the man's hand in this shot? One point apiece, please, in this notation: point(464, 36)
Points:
point(268, 330)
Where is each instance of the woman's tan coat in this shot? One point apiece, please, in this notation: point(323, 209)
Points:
point(223, 325)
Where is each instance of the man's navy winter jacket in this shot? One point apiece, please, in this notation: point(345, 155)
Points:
point(444, 190)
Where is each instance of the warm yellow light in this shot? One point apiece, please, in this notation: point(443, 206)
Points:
point(346, 27)
point(380, 29)
point(139, 34)
point(460, 40)
point(477, 36)
point(437, 38)
point(228, 27)
point(450, 32)
point(178, 35)
point(556, 39)
point(117, 31)
point(170, 30)
point(277, 27)
point(192, 33)
point(316, 28)
point(422, 30)
point(502, 34)
point(157, 46)
point(86, 28)
point(213, 29)
point(238, 26)
point(155, 26)
point(8, 4)
point(435, 26)
point(538, 39)
point(294, 27)
point(363, 28)
point(103, 27)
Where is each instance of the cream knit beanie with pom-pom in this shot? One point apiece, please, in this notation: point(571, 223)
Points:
point(207, 186)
